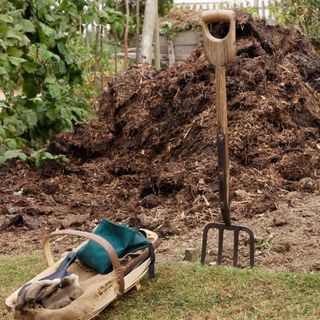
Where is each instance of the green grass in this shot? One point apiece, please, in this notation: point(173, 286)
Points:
point(14, 272)
point(190, 291)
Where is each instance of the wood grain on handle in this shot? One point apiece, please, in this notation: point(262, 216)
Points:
point(221, 98)
point(219, 51)
point(217, 16)
point(222, 126)
point(94, 237)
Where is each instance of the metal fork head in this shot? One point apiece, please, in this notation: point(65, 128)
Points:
point(221, 227)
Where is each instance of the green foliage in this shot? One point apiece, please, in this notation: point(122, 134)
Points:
point(170, 31)
point(35, 59)
point(253, 11)
point(108, 16)
point(164, 7)
point(167, 30)
point(305, 14)
point(95, 48)
point(10, 154)
point(37, 157)
point(261, 244)
point(40, 156)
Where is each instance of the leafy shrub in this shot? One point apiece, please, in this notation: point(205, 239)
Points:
point(305, 14)
point(35, 61)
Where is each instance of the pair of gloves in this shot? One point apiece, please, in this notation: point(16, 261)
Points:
point(50, 294)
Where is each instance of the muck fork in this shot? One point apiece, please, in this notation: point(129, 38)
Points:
point(219, 53)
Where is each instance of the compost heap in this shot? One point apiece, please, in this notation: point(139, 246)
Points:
point(151, 157)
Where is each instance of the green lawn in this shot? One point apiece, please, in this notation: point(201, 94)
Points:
point(190, 291)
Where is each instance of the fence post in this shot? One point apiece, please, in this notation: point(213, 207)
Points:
point(171, 55)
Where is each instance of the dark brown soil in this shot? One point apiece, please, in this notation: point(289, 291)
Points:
point(150, 160)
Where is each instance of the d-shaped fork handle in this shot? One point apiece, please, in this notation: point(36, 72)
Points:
point(219, 51)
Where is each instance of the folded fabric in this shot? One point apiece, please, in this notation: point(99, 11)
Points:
point(123, 239)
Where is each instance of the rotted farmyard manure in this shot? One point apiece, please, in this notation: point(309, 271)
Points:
point(150, 158)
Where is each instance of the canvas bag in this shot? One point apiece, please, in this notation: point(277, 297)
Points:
point(123, 239)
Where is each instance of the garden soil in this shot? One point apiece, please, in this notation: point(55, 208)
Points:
point(150, 159)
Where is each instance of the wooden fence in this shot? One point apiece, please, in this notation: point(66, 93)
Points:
point(262, 6)
point(176, 50)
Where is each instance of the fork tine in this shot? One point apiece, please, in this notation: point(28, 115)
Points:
point(235, 247)
point(204, 243)
point(220, 245)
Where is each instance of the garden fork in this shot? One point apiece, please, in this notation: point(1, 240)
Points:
point(219, 53)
